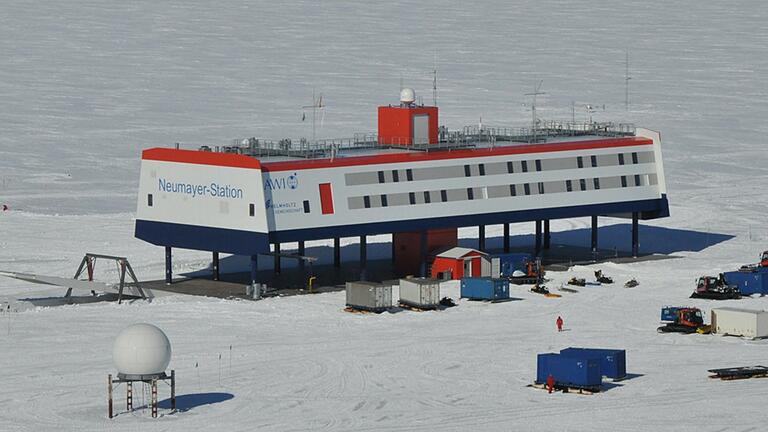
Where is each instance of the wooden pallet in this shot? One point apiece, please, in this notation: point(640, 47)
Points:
point(567, 389)
point(737, 373)
point(417, 309)
point(361, 311)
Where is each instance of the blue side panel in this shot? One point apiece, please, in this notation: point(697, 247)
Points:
point(202, 238)
point(484, 288)
point(613, 363)
point(648, 209)
point(569, 371)
point(748, 282)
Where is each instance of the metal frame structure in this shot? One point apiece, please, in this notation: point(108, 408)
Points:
point(123, 266)
point(147, 379)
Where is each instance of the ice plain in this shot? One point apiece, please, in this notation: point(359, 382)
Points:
point(86, 85)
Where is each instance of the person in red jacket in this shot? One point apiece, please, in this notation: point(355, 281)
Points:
point(550, 383)
point(559, 323)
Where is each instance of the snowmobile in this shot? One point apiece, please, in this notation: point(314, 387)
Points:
point(540, 289)
point(715, 288)
point(577, 281)
point(603, 279)
point(631, 283)
point(447, 302)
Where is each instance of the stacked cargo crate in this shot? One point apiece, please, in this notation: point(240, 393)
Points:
point(581, 368)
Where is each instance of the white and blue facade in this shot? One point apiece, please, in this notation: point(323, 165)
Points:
point(239, 204)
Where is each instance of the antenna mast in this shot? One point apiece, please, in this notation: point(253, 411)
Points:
point(434, 82)
point(535, 93)
point(626, 80)
point(317, 103)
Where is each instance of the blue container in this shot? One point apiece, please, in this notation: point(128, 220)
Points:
point(510, 262)
point(669, 313)
point(613, 362)
point(748, 282)
point(569, 371)
point(484, 288)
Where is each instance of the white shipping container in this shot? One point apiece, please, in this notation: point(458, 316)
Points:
point(740, 322)
point(420, 292)
point(369, 296)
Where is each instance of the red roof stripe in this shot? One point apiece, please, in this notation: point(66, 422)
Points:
point(455, 154)
point(201, 158)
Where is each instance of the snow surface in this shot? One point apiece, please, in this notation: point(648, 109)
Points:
point(86, 85)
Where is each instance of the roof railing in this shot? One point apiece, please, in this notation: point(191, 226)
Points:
point(467, 137)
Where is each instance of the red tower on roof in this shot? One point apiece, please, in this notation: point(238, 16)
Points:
point(407, 124)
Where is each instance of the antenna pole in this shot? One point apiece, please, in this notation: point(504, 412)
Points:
point(626, 80)
point(533, 108)
point(434, 82)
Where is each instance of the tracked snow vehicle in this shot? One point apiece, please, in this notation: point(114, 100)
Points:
point(715, 288)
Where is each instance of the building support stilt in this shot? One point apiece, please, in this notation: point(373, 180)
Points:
point(336, 252)
point(363, 257)
point(594, 233)
point(277, 258)
point(635, 234)
point(168, 266)
point(506, 237)
point(537, 248)
point(215, 266)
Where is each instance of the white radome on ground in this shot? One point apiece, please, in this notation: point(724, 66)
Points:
point(141, 349)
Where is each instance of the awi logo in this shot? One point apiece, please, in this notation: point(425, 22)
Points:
point(285, 182)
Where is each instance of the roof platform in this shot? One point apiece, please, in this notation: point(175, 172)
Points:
point(469, 137)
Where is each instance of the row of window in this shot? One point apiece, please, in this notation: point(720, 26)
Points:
point(496, 168)
point(500, 191)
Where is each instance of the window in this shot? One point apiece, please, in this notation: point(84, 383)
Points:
point(597, 183)
point(568, 186)
point(383, 200)
point(510, 168)
point(527, 189)
point(583, 184)
point(512, 190)
point(525, 166)
point(634, 158)
point(467, 173)
point(395, 176)
point(541, 188)
point(621, 158)
point(580, 162)
point(149, 200)
point(481, 167)
point(427, 199)
point(443, 196)
point(637, 180)
point(412, 198)
point(381, 176)
point(252, 209)
point(367, 201)
point(306, 206)
point(409, 174)
point(623, 181)
point(326, 198)
point(593, 159)
point(538, 164)
point(470, 194)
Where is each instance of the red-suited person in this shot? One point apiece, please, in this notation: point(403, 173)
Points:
point(550, 383)
point(559, 323)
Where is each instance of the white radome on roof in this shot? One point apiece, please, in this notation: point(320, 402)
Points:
point(407, 96)
point(141, 349)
